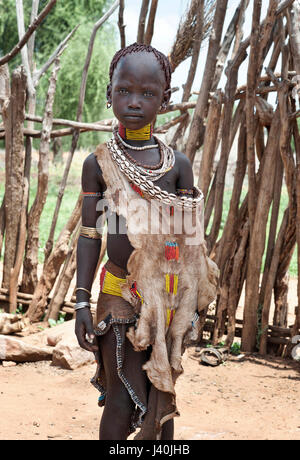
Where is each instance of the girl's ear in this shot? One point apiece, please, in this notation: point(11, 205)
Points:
point(166, 99)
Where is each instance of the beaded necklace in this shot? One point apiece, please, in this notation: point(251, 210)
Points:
point(130, 165)
point(144, 179)
point(132, 147)
point(134, 161)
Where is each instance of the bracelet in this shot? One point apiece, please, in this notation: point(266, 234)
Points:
point(83, 289)
point(90, 232)
point(80, 305)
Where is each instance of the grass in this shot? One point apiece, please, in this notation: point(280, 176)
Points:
point(73, 189)
point(68, 202)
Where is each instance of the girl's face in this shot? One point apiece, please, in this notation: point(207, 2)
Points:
point(137, 90)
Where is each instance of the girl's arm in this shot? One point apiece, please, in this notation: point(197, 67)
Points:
point(88, 248)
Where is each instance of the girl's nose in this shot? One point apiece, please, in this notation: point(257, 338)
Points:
point(134, 102)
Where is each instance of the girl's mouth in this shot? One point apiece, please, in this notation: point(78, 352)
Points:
point(132, 116)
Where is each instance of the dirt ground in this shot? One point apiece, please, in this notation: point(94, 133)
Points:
point(253, 399)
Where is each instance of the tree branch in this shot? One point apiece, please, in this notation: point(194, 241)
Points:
point(61, 47)
point(142, 20)
point(150, 25)
point(28, 33)
point(121, 24)
point(24, 50)
point(31, 41)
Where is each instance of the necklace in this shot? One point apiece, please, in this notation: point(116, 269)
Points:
point(134, 161)
point(156, 172)
point(128, 146)
point(143, 134)
point(143, 179)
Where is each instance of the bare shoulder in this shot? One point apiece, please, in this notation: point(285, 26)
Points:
point(185, 170)
point(92, 178)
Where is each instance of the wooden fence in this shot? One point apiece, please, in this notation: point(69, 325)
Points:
point(268, 159)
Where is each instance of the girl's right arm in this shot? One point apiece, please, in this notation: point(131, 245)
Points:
point(88, 249)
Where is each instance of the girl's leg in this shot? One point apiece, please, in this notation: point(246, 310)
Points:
point(119, 407)
point(167, 431)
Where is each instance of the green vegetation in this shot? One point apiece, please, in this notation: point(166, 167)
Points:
point(60, 21)
point(235, 348)
point(69, 199)
point(73, 189)
point(61, 319)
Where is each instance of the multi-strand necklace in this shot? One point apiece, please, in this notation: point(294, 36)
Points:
point(144, 176)
point(152, 172)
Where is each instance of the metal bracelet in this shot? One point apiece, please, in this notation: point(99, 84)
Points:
point(80, 305)
point(83, 289)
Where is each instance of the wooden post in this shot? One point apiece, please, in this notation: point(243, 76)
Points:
point(210, 66)
point(52, 266)
point(4, 101)
point(13, 117)
point(65, 277)
point(13, 284)
point(142, 21)
point(257, 238)
point(30, 277)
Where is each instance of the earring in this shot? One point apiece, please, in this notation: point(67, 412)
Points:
point(108, 105)
point(163, 106)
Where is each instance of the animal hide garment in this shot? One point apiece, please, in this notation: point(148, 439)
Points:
point(169, 268)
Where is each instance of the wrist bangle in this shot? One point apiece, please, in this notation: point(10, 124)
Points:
point(80, 305)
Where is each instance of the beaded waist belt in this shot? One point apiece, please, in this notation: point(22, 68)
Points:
point(111, 284)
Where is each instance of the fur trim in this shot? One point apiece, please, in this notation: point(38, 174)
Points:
point(149, 226)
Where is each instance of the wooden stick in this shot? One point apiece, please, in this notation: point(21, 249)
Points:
point(65, 277)
point(28, 33)
point(76, 133)
point(24, 50)
point(121, 24)
point(39, 73)
point(227, 41)
point(31, 259)
point(165, 127)
point(52, 266)
point(250, 103)
point(257, 238)
point(150, 24)
point(71, 123)
point(210, 141)
point(14, 167)
point(210, 66)
point(142, 21)
point(270, 283)
point(13, 284)
point(31, 41)
point(180, 106)
point(192, 71)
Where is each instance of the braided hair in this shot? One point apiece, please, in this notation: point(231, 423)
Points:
point(139, 47)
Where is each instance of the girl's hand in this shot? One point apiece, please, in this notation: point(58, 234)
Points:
point(84, 330)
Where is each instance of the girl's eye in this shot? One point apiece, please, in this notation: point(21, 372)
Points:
point(123, 91)
point(148, 93)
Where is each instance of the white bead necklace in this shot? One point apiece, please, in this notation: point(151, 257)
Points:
point(145, 147)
